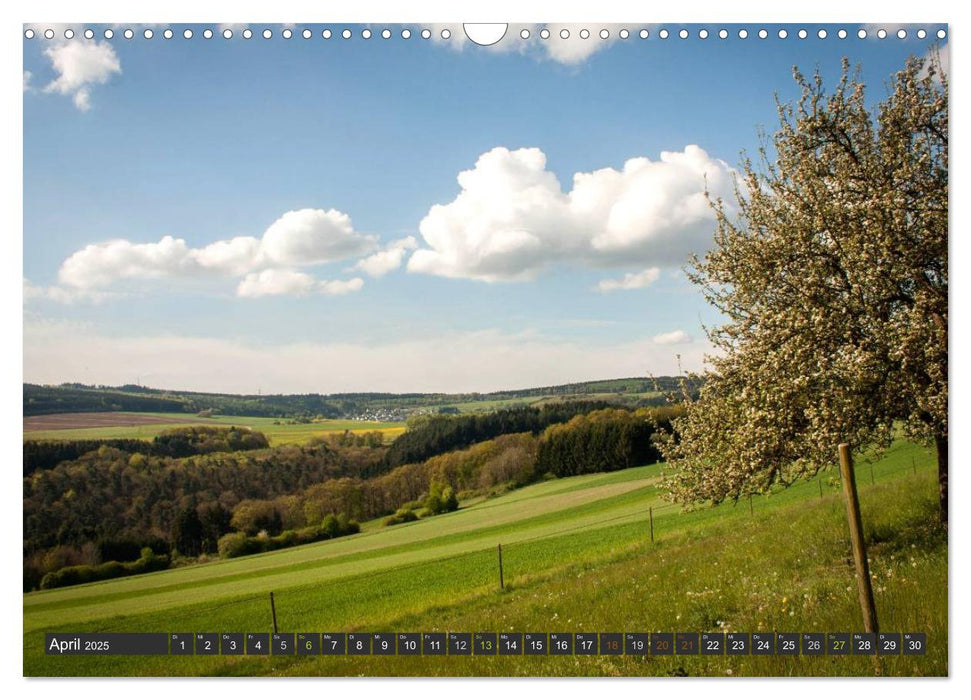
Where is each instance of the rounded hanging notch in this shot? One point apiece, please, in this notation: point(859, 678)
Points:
point(485, 34)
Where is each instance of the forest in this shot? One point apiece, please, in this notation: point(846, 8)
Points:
point(195, 492)
point(174, 443)
point(431, 435)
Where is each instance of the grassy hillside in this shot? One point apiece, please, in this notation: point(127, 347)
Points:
point(577, 557)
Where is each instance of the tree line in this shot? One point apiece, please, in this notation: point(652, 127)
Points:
point(177, 442)
point(431, 435)
point(600, 441)
point(80, 398)
point(76, 397)
point(40, 400)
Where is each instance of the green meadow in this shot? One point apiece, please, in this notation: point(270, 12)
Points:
point(577, 556)
point(277, 430)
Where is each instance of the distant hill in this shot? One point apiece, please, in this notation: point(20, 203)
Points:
point(81, 398)
point(74, 398)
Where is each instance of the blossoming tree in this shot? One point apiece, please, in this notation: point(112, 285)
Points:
point(832, 282)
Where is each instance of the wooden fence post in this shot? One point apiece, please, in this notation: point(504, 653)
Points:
point(501, 583)
point(273, 611)
point(867, 603)
point(820, 488)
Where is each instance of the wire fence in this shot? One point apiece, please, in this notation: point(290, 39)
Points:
point(522, 557)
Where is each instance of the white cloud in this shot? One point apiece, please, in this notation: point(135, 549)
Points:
point(311, 236)
point(27, 76)
point(82, 99)
point(290, 282)
point(388, 259)
point(101, 264)
point(275, 282)
point(632, 280)
point(512, 218)
point(340, 287)
point(485, 360)
point(234, 256)
point(298, 238)
point(678, 337)
point(80, 65)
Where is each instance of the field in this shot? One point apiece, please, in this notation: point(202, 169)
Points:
point(105, 419)
point(577, 557)
point(104, 426)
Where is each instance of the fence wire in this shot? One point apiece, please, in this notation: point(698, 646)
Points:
point(434, 564)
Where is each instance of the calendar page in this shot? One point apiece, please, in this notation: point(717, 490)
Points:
point(465, 350)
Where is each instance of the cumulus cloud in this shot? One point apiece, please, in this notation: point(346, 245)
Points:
point(388, 259)
point(298, 238)
point(311, 236)
point(678, 337)
point(101, 264)
point(290, 282)
point(234, 256)
point(79, 66)
point(512, 217)
point(565, 45)
point(632, 280)
point(59, 352)
point(27, 77)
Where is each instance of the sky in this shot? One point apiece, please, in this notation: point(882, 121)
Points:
point(369, 214)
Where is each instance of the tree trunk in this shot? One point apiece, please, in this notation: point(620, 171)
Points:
point(941, 442)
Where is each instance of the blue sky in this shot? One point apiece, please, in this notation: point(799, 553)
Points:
point(285, 215)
